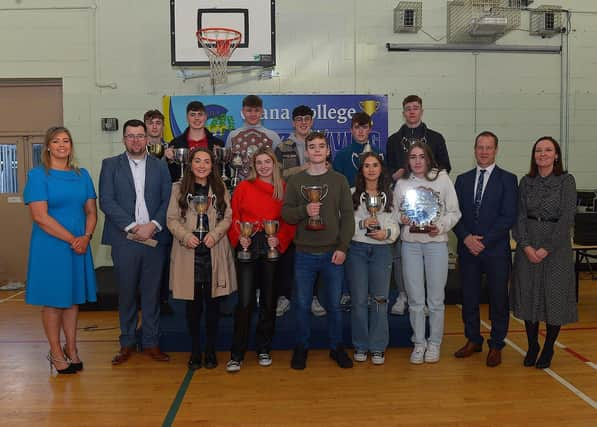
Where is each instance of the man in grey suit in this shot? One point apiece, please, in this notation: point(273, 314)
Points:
point(134, 192)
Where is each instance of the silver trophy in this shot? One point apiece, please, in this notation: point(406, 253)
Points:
point(246, 229)
point(314, 194)
point(236, 163)
point(271, 227)
point(223, 156)
point(374, 203)
point(181, 156)
point(423, 207)
point(201, 204)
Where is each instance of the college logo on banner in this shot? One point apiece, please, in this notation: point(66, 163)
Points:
point(332, 115)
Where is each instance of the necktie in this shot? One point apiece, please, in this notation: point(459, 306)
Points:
point(479, 192)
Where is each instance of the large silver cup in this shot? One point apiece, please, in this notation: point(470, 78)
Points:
point(236, 163)
point(201, 204)
point(314, 194)
point(246, 229)
point(271, 227)
point(223, 156)
point(181, 156)
point(374, 203)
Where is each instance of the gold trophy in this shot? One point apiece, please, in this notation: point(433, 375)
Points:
point(246, 229)
point(201, 204)
point(156, 150)
point(374, 203)
point(271, 227)
point(369, 106)
point(314, 194)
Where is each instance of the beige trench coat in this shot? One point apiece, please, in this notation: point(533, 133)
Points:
point(182, 259)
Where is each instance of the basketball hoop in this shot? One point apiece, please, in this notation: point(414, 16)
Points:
point(219, 44)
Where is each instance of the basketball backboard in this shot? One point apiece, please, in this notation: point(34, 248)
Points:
point(254, 19)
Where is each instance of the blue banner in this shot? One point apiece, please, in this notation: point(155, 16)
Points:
point(332, 115)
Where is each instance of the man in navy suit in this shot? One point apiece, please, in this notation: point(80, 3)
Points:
point(134, 192)
point(488, 198)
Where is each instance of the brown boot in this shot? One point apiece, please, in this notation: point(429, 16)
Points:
point(494, 357)
point(123, 355)
point(156, 354)
point(468, 349)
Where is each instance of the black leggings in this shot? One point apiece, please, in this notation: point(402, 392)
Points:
point(257, 274)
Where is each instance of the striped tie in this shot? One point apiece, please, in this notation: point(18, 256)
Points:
point(479, 193)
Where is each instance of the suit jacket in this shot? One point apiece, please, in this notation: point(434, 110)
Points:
point(117, 197)
point(497, 213)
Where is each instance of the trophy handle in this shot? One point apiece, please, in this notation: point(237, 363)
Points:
point(189, 198)
point(255, 228)
point(324, 191)
point(363, 198)
point(384, 200)
point(303, 193)
point(355, 157)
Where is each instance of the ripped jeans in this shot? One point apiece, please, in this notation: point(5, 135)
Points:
point(369, 270)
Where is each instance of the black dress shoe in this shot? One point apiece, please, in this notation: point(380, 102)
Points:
point(211, 361)
point(531, 357)
point(544, 360)
point(166, 309)
point(194, 362)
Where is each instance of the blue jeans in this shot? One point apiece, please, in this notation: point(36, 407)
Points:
point(425, 262)
point(369, 270)
point(306, 267)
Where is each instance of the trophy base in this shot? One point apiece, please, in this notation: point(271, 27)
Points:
point(421, 229)
point(315, 226)
point(244, 256)
point(272, 255)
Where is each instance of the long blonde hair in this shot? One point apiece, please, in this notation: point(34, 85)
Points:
point(45, 152)
point(277, 180)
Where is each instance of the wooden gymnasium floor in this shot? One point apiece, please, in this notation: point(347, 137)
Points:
point(145, 393)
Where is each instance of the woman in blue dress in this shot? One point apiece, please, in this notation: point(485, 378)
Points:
point(60, 275)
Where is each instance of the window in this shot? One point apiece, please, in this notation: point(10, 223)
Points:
point(8, 168)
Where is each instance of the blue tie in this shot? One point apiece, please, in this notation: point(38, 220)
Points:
point(479, 192)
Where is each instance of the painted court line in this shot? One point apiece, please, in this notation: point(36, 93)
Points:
point(12, 296)
point(171, 415)
point(552, 374)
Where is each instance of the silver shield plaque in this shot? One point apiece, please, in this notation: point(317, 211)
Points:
point(422, 206)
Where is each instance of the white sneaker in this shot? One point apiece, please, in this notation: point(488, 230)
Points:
point(378, 357)
point(283, 306)
point(399, 307)
point(317, 309)
point(345, 300)
point(233, 365)
point(417, 357)
point(360, 356)
point(264, 359)
point(432, 353)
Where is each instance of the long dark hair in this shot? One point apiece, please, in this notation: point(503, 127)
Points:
point(384, 183)
point(431, 163)
point(558, 169)
point(214, 181)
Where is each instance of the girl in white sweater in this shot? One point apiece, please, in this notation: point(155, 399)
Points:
point(425, 255)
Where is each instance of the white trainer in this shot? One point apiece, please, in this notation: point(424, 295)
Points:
point(345, 300)
point(378, 357)
point(317, 309)
point(417, 357)
point(233, 366)
point(360, 356)
point(432, 353)
point(283, 306)
point(264, 359)
point(399, 307)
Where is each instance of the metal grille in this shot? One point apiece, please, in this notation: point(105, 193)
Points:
point(408, 17)
point(8, 169)
point(545, 21)
point(464, 17)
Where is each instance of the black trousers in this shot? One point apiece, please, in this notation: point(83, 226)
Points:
point(203, 300)
point(253, 275)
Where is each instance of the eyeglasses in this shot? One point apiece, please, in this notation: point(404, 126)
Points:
point(303, 118)
point(138, 137)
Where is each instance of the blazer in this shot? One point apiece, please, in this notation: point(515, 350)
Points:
point(497, 213)
point(117, 197)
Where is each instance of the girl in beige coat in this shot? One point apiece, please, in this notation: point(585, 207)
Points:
point(201, 271)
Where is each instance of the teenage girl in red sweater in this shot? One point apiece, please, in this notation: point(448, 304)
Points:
point(255, 200)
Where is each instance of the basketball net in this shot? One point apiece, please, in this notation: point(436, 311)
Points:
point(218, 44)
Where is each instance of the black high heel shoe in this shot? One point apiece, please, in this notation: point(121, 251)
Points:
point(77, 365)
point(68, 370)
point(544, 360)
point(531, 357)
